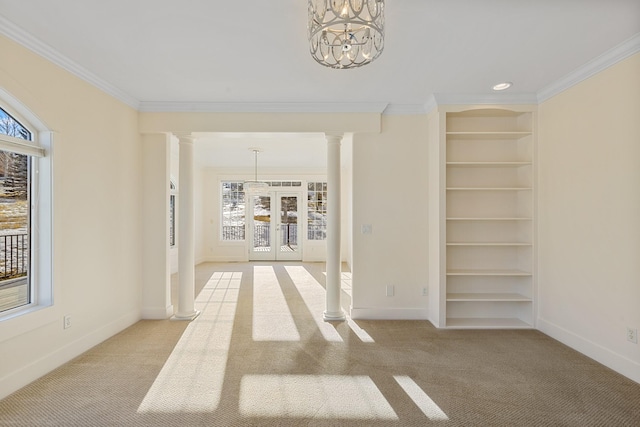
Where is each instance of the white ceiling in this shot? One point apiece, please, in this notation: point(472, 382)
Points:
point(160, 52)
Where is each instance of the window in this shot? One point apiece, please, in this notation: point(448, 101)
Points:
point(233, 205)
point(17, 152)
point(172, 214)
point(317, 210)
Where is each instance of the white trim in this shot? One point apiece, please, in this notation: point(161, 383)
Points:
point(597, 352)
point(223, 258)
point(153, 313)
point(389, 313)
point(484, 99)
point(431, 104)
point(25, 39)
point(46, 363)
point(596, 65)
point(262, 107)
point(404, 109)
point(20, 146)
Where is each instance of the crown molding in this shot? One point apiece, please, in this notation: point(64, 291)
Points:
point(622, 51)
point(404, 109)
point(431, 104)
point(261, 107)
point(20, 36)
point(484, 99)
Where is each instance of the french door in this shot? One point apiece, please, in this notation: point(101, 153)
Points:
point(274, 229)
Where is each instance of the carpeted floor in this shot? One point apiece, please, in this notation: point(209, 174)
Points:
point(260, 355)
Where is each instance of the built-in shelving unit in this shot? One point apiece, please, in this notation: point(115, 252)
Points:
point(489, 215)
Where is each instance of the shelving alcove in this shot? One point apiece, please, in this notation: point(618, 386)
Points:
point(482, 257)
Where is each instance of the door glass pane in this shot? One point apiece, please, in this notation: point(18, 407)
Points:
point(262, 223)
point(289, 223)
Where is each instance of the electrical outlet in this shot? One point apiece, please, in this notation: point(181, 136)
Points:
point(632, 335)
point(425, 291)
point(67, 322)
point(390, 290)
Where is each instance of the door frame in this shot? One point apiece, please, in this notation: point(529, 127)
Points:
point(275, 253)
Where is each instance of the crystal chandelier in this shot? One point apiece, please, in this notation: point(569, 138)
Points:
point(346, 33)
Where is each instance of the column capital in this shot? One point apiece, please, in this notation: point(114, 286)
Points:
point(334, 136)
point(184, 137)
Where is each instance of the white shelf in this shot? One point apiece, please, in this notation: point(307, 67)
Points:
point(488, 188)
point(488, 244)
point(487, 136)
point(488, 273)
point(487, 323)
point(487, 297)
point(489, 178)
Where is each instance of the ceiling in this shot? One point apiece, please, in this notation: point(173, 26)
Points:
point(160, 54)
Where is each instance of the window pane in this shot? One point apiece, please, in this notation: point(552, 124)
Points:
point(317, 211)
point(14, 230)
point(232, 211)
point(172, 220)
point(10, 126)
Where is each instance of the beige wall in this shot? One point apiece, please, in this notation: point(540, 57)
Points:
point(96, 231)
point(390, 194)
point(589, 216)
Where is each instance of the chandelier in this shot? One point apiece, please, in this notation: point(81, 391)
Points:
point(255, 187)
point(346, 33)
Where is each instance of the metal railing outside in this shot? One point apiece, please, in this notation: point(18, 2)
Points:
point(14, 256)
point(233, 232)
point(262, 234)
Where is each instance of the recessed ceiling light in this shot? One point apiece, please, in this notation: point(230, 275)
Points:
point(502, 86)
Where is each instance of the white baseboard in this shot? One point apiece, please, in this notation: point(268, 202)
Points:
point(153, 313)
point(389, 313)
point(597, 352)
point(47, 363)
point(223, 259)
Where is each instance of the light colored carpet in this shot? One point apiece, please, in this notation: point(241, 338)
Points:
point(260, 355)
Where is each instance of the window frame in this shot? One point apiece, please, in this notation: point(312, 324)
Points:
point(41, 310)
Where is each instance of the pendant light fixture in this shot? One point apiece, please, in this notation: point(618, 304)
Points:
point(255, 187)
point(346, 33)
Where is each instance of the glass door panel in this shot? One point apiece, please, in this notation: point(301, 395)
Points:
point(261, 236)
point(288, 240)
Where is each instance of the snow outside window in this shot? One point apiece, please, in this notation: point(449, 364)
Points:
point(233, 210)
point(317, 210)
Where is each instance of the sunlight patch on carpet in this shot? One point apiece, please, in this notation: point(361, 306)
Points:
point(346, 281)
point(360, 333)
point(272, 319)
point(421, 399)
point(191, 379)
point(313, 295)
point(316, 396)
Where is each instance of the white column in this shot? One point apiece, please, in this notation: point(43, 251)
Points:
point(333, 310)
point(186, 232)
